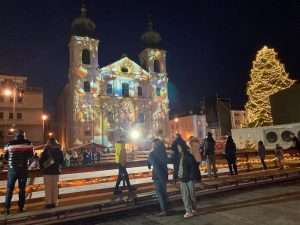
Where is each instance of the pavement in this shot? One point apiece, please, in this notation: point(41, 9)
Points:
point(275, 204)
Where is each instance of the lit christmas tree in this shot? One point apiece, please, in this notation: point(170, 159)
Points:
point(268, 76)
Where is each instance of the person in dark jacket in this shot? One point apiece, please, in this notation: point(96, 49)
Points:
point(51, 161)
point(158, 160)
point(188, 175)
point(230, 154)
point(209, 153)
point(175, 155)
point(18, 152)
point(262, 153)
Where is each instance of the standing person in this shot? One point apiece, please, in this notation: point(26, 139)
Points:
point(188, 174)
point(158, 160)
point(279, 156)
point(196, 152)
point(262, 153)
point(230, 154)
point(175, 155)
point(68, 159)
point(18, 152)
point(51, 161)
point(209, 154)
point(121, 160)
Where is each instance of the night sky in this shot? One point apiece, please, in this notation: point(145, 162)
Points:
point(210, 43)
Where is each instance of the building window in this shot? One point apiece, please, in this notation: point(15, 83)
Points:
point(10, 116)
point(109, 89)
point(19, 116)
point(1, 134)
point(141, 118)
point(1, 115)
point(156, 65)
point(140, 91)
point(86, 57)
point(157, 91)
point(87, 133)
point(20, 99)
point(1, 98)
point(86, 86)
point(11, 99)
point(125, 89)
point(124, 69)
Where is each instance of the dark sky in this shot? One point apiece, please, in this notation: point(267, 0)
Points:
point(210, 43)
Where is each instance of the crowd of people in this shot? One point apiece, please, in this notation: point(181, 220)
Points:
point(187, 157)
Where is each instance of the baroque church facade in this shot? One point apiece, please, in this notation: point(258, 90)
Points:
point(103, 105)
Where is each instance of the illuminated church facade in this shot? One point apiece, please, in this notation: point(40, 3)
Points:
point(102, 105)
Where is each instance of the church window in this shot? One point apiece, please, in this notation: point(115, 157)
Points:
point(140, 91)
point(86, 86)
point(109, 89)
point(86, 57)
point(158, 91)
point(156, 66)
point(124, 69)
point(125, 89)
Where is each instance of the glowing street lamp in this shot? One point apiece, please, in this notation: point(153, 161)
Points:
point(176, 120)
point(44, 118)
point(50, 134)
point(7, 92)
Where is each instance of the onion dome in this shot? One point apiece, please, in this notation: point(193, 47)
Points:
point(82, 25)
point(151, 38)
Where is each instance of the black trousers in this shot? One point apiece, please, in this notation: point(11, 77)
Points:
point(12, 176)
point(263, 163)
point(123, 175)
point(176, 168)
point(232, 167)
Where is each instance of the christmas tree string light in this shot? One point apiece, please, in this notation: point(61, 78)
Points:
point(268, 76)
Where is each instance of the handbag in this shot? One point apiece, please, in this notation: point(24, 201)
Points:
point(49, 162)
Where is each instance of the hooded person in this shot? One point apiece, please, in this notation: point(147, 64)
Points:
point(18, 153)
point(51, 161)
point(175, 154)
point(158, 162)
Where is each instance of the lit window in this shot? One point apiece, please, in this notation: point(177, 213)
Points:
point(140, 91)
point(86, 57)
point(125, 89)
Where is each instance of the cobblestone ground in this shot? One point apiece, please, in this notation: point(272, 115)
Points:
point(268, 205)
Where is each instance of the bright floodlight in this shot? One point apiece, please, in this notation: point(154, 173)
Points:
point(176, 120)
point(7, 92)
point(135, 134)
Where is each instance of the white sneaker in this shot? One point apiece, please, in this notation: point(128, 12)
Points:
point(188, 215)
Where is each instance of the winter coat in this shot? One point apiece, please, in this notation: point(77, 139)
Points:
point(188, 170)
point(120, 154)
point(57, 155)
point(158, 160)
point(230, 152)
point(261, 151)
point(18, 152)
point(209, 146)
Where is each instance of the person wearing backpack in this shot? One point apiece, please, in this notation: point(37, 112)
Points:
point(51, 161)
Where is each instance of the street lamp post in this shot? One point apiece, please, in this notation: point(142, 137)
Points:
point(44, 118)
